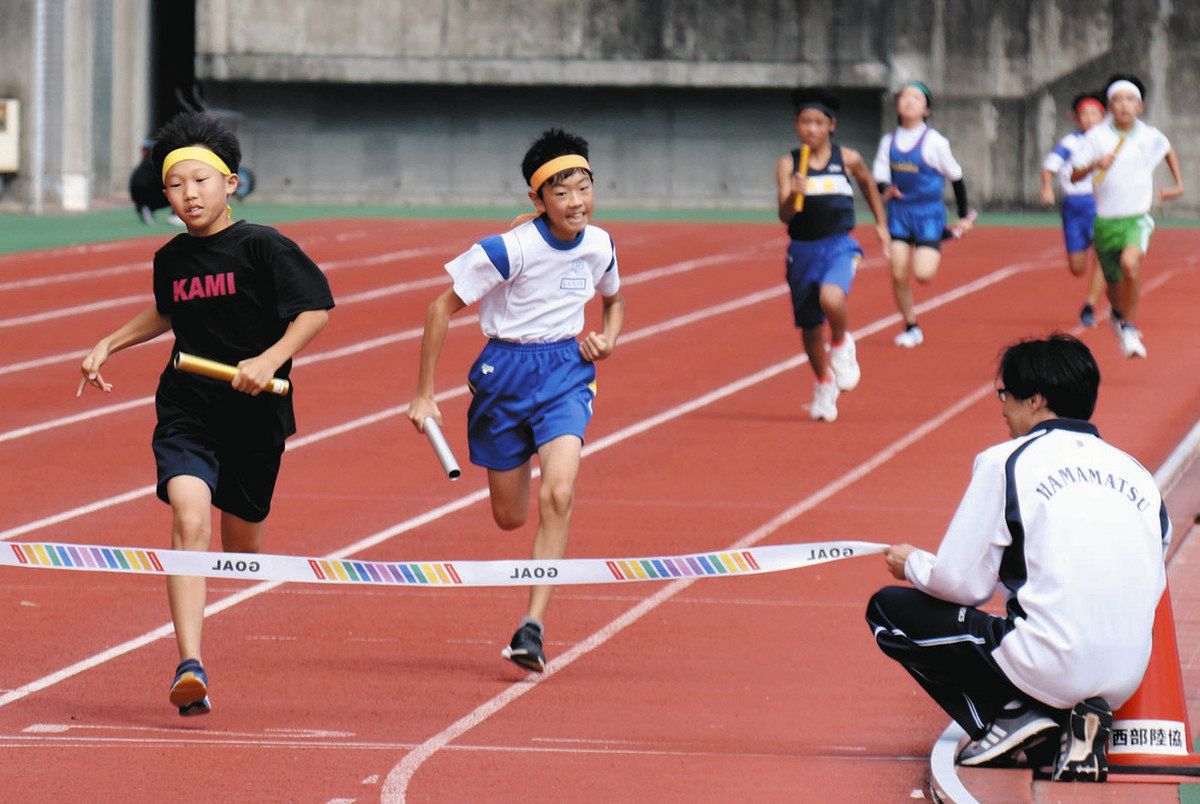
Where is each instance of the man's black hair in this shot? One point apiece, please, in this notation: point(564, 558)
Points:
point(1130, 77)
point(196, 128)
point(816, 97)
point(1060, 368)
point(554, 142)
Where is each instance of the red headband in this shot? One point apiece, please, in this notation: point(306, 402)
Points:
point(1083, 104)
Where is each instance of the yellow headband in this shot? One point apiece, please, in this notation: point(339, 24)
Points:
point(556, 165)
point(194, 152)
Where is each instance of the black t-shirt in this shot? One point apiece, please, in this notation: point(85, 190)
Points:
point(230, 296)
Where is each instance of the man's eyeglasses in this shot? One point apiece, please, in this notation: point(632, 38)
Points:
point(1002, 394)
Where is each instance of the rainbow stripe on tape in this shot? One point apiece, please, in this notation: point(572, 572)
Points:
point(433, 573)
point(651, 569)
point(328, 570)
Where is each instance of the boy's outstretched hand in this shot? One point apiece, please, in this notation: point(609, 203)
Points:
point(90, 367)
point(595, 347)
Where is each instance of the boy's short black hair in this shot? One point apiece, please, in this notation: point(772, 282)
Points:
point(554, 142)
point(816, 98)
point(196, 128)
point(1060, 368)
point(1130, 77)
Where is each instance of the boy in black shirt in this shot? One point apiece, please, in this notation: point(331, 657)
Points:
point(237, 293)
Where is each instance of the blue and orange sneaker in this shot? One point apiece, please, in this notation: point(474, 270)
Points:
point(190, 690)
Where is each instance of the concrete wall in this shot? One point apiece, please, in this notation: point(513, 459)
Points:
point(651, 147)
point(427, 76)
point(692, 93)
point(587, 42)
point(82, 79)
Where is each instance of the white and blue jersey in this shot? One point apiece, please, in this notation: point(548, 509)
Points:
point(917, 161)
point(530, 383)
point(1078, 204)
point(822, 252)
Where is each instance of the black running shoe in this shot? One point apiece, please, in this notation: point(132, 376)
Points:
point(1081, 755)
point(526, 648)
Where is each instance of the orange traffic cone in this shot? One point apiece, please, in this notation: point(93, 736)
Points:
point(1150, 739)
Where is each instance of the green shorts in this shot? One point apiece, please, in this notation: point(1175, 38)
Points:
point(1114, 235)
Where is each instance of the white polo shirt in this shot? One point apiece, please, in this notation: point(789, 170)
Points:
point(1075, 530)
point(1127, 188)
point(531, 286)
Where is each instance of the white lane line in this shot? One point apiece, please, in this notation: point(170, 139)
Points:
point(147, 265)
point(95, 273)
point(167, 629)
point(367, 345)
point(396, 786)
point(273, 733)
point(70, 312)
point(200, 738)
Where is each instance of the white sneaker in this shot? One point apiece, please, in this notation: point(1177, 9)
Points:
point(1131, 342)
point(844, 362)
point(824, 404)
point(910, 338)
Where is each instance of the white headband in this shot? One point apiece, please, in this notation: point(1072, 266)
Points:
point(1117, 86)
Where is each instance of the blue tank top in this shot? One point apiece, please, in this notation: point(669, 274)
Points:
point(912, 176)
point(828, 200)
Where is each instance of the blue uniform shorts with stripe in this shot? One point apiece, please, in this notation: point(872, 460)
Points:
point(240, 479)
point(524, 396)
point(1078, 221)
point(812, 263)
point(918, 223)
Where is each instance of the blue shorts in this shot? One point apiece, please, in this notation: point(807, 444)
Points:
point(241, 480)
point(918, 223)
point(1078, 218)
point(812, 263)
point(524, 396)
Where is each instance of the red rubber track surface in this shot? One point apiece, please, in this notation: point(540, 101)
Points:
point(766, 688)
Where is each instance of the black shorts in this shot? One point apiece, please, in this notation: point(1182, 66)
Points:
point(241, 479)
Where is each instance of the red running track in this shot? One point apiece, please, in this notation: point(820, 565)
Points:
point(766, 688)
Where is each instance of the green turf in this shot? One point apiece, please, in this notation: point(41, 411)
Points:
point(27, 232)
point(1190, 793)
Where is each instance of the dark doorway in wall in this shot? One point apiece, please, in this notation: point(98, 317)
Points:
point(172, 58)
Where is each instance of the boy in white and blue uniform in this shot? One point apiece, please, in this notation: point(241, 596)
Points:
point(816, 201)
point(1120, 156)
point(911, 167)
point(1078, 205)
point(534, 383)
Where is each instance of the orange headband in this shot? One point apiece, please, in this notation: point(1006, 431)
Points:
point(556, 165)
